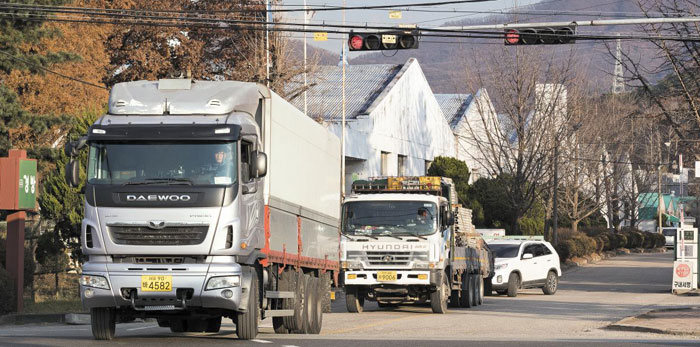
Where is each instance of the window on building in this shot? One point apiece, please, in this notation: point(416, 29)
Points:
point(428, 163)
point(402, 165)
point(385, 164)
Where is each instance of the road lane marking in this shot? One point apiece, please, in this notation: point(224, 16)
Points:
point(372, 325)
point(260, 341)
point(141, 328)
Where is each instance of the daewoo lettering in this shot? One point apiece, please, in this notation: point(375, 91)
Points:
point(157, 197)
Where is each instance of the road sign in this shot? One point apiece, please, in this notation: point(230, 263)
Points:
point(683, 278)
point(321, 36)
point(18, 182)
point(27, 185)
point(395, 14)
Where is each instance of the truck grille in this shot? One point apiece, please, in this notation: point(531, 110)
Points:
point(383, 258)
point(168, 236)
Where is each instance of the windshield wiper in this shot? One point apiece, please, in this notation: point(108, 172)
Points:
point(169, 181)
point(418, 235)
point(390, 235)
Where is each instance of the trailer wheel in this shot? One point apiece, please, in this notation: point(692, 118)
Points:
point(317, 313)
point(178, 325)
point(295, 280)
point(326, 292)
point(353, 301)
point(475, 290)
point(438, 298)
point(213, 325)
point(464, 300)
point(513, 284)
point(247, 322)
point(103, 321)
point(284, 304)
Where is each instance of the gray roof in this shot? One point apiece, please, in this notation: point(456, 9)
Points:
point(453, 106)
point(363, 84)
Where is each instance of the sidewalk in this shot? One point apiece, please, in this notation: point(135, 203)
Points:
point(677, 321)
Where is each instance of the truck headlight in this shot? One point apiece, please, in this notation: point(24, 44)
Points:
point(223, 282)
point(500, 266)
point(352, 264)
point(94, 281)
point(421, 265)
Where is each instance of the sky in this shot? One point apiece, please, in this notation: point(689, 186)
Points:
point(381, 17)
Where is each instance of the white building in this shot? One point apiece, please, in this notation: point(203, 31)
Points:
point(395, 125)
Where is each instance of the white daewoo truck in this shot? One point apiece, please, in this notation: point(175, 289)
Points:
point(399, 245)
point(206, 200)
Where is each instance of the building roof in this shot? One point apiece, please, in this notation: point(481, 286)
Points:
point(454, 106)
point(363, 85)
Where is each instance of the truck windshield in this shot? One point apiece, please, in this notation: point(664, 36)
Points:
point(389, 218)
point(142, 163)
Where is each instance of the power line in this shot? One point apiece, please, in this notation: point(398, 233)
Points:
point(51, 71)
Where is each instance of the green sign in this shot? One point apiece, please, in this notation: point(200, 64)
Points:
point(27, 185)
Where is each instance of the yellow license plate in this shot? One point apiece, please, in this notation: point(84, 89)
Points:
point(156, 283)
point(384, 276)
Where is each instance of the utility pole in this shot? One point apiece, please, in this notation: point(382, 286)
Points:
point(342, 123)
point(555, 218)
point(267, 42)
point(306, 21)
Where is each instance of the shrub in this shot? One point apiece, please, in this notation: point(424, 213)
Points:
point(649, 240)
point(620, 240)
point(600, 242)
point(7, 293)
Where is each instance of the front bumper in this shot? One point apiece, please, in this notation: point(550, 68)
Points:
point(499, 280)
point(188, 283)
point(403, 277)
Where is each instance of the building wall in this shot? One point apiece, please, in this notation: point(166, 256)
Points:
point(406, 120)
point(471, 132)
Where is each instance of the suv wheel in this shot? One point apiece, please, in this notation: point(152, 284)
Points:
point(550, 286)
point(513, 284)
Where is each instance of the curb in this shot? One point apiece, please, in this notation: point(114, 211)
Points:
point(52, 318)
point(622, 325)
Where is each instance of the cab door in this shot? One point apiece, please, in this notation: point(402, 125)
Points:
point(251, 191)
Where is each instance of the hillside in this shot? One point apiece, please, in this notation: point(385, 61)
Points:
point(445, 62)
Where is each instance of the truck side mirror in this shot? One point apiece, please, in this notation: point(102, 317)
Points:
point(449, 218)
point(73, 173)
point(72, 148)
point(259, 167)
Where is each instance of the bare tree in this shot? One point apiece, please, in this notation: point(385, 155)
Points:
point(529, 88)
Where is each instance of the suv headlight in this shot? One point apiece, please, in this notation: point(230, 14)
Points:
point(94, 281)
point(223, 282)
point(500, 266)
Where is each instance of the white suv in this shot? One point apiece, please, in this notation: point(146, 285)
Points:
point(523, 264)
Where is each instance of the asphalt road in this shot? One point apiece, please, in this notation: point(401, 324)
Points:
point(588, 300)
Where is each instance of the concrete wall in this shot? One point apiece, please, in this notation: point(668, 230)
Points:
point(471, 133)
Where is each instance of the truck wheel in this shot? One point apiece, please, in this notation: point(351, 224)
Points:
point(326, 292)
point(488, 289)
point(283, 304)
point(213, 325)
point(513, 284)
point(464, 300)
point(178, 325)
point(480, 290)
point(103, 321)
point(295, 281)
point(455, 297)
point(247, 322)
point(353, 301)
point(476, 290)
point(307, 312)
point(317, 313)
point(550, 287)
point(438, 298)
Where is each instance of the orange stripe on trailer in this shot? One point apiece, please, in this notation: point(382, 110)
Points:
point(266, 224)
point(284, 258)
point(299, 247)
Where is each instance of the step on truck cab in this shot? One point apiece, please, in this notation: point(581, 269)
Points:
point(203, 200)
point(399, 245)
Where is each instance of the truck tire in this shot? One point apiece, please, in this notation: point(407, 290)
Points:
point(353, 301)
point(455, 298)
point(178, 325)
point(477, 289)
point(309, 303)
point(104, 322)
point(488, 289)
point(317, 313)
point(480, 289)
point(513, 284)
point(326, 292)
point(283, 304)
point(247, 322)
point(438, 298)
point(465, 300)
point(296, 282)
point(213, 325)
point(552, 283)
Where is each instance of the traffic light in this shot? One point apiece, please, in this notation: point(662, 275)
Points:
point(387, 40)
point(540, 36)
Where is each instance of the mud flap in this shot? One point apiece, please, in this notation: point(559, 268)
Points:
point(246, 279)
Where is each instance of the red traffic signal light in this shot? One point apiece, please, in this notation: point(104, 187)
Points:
point(540, 36)
point(387, 40)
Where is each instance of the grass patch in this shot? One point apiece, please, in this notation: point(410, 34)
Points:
point(54, 306)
